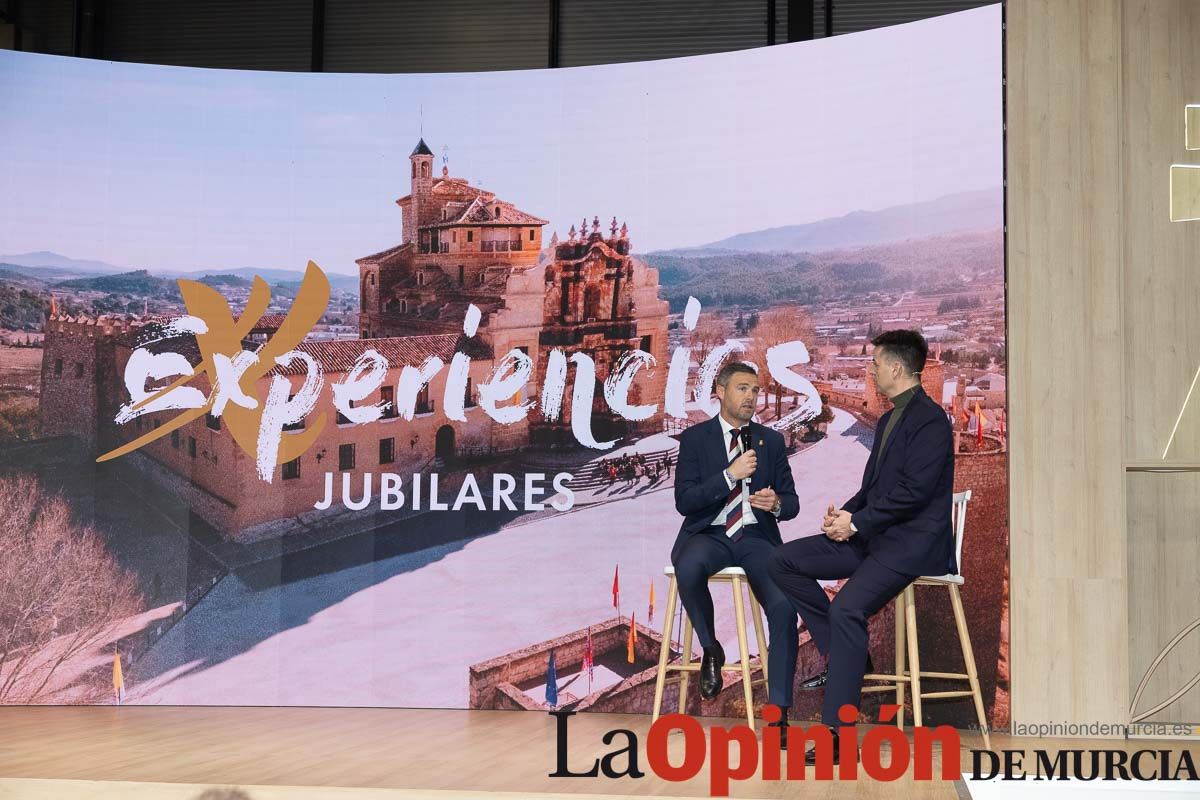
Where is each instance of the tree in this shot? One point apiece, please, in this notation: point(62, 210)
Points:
point(711, 332)
point(825, 416)
point(958, 303)
point(19, 420)
point(777, 326)
point(61, 596)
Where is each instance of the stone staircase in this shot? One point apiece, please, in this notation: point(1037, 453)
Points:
point(589, 476)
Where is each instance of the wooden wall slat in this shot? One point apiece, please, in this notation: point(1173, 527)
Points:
point(1069, 586)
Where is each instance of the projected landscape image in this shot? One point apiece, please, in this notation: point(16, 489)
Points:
point(451, 230)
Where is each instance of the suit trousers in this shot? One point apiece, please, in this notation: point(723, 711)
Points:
point(710, 551)
point(838, 628)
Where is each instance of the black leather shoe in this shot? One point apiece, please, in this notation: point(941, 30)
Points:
point(711, 679)
point(810, 755)
point(822, 677)
point(816, 681)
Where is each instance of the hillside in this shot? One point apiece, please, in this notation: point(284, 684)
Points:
point(139, 282)
point(227, 280)
point(274, 277)
point(52, 267)
point(13, 274)
point(46, 261)
point(978, 210)
point(933, 265)
point(21, 309)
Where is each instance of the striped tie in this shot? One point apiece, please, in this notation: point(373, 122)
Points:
point(733, 501)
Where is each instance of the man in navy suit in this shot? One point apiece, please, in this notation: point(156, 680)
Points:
point(733, 485)
point(896, 528)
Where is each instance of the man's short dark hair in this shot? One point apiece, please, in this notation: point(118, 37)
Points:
point(731, 368)
point(907, 347)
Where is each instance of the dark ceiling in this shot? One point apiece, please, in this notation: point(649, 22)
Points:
point(413, 36)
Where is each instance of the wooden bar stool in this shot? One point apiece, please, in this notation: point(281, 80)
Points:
point(735, 576)
point(906, 634)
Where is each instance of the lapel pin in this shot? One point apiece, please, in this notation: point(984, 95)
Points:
point(760, 442)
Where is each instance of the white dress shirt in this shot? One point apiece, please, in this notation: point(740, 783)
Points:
point(747, 509)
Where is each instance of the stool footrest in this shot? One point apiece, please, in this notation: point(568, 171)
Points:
point(695, 667)
point(950, 676)
point(738, 668)
point(936, 695)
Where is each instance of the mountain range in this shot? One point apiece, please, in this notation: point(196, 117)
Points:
point(51, 267)
point(932, 265)
point(980, 210)
point(965, 211)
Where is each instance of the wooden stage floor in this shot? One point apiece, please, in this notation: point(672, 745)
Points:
point(135, 752)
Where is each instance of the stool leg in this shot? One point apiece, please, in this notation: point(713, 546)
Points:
point(684, 660)
point(760, 634)
point(910, 616)
point(964, 640)
point(664, 652)
point(743, 644)
point(900, 661)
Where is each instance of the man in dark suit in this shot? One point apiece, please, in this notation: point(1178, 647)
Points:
point(896, 528)
point(732, 497)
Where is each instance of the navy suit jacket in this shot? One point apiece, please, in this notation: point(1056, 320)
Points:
point(902, 511)
point(700, 487)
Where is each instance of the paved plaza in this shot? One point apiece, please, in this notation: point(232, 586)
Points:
point(402, 630)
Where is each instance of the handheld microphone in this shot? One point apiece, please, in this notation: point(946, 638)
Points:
point(745, 437)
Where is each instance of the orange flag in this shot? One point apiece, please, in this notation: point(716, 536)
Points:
point(980, 419)
point(632, 638)
point(650, 617)
point(118, 679)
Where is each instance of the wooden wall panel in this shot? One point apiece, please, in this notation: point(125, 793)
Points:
point(1162, 258)
point(1164, 560)
point(1104, 347)
point(1161, 284)
point(1069, 588)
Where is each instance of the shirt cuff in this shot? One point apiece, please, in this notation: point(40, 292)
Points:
point(853, 527)
point(728, 480)
point(777, 510)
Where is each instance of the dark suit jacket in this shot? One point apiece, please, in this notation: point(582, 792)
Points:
point(902, 511)
point(700, 487)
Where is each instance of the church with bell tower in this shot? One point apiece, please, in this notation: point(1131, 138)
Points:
point(462, 245)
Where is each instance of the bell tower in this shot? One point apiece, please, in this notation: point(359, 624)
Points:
point(421, 162)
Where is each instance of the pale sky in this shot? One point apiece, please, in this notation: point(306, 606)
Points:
point(180, 169)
